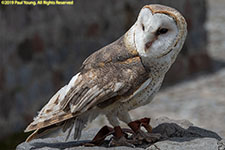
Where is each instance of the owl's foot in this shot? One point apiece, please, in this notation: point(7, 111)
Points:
point(120, 138)
point(127, 137)
point(140, 136)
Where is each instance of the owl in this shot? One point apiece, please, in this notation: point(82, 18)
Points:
point(119, 77)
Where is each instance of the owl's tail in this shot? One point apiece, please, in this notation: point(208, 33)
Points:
point(42, 132)
point(75, 125)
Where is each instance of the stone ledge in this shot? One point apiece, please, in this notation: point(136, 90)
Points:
point(176, 135)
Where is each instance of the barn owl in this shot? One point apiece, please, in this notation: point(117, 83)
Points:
point(119, 77)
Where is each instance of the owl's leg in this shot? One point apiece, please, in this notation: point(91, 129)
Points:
point(139, 136)
point(119, 136)
point(136, 125)
point(118, 139)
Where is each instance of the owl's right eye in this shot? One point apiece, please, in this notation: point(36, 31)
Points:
point(161, 31)
point(143, 27)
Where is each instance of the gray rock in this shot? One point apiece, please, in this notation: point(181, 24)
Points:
point(194, 144)
point(176, 135)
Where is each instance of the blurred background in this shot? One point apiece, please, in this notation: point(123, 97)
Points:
point(42, 47)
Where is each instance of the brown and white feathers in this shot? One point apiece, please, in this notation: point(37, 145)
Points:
point(119, 77)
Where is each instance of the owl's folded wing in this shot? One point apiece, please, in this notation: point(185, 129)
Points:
point(95, 86)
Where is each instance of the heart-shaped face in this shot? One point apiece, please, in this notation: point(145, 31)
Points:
point(159, 31)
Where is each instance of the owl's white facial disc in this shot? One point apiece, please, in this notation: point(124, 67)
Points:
point(155, 34)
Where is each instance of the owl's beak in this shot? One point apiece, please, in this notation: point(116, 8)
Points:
point(149, 44)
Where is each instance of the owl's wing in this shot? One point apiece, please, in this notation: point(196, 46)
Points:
point(99, 83)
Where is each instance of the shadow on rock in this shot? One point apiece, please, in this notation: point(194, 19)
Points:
point(174, 132)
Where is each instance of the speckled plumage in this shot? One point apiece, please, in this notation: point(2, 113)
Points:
point(119, 77)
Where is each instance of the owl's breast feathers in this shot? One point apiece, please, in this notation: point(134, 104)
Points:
point(111, 74)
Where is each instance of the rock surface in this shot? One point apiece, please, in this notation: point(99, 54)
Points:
point(176, 135)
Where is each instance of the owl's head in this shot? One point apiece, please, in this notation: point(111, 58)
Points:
point(159, 32)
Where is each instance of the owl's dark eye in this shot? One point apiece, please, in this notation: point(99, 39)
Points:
point(162, 31)
point(143, 27)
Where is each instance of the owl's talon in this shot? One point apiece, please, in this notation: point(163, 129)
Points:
point(120, 137)
point(140, 136)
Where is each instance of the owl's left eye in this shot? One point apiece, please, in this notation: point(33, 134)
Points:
point(162, 31)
